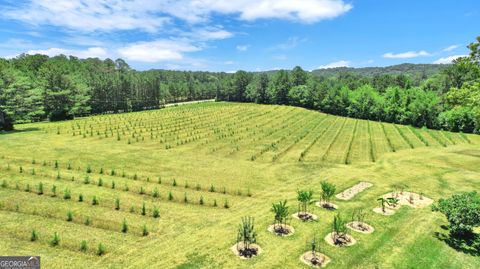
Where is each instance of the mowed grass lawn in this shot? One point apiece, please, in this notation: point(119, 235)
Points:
point(244, 155)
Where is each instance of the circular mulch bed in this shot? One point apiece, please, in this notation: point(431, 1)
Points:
point(360, 227)
point(387, 212)
point(329, 206)
point(305, 216)
point(348, 241)
point(235, 249)
point(281, 230)
point(318, 261)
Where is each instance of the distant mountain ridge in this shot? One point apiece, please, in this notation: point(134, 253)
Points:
point(405, 69)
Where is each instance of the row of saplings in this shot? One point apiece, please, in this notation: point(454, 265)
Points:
point(246, 243)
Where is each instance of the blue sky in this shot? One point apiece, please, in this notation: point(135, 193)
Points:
point(228, 35)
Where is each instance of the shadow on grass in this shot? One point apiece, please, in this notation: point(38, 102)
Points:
point(468, 244)
point(19, 131)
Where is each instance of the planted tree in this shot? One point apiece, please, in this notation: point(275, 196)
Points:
point(156, 212)
point(34, 236)
point(280, 210)
point(304, 198)
point(54, 191)
point(69, 216)
point(358, 220)
point(145, 230)
point(382, 201)
point(83, 246)
point(328, 190)
point(314, 248)
point(339, 231)
point(94, 200)
point(392, 201)
point(101, 249)
point(117, 204)
point(144, 209)
point(124, 226)
point(246, 238)
point(67, 195)
point(55, 241)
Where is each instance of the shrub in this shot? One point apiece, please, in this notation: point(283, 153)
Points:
point(100, 182)
point(170, 196)
point(86, 180)
point(117, 204)
point(89, 169)
point(55, 241)
point(83, 246)
point(226, 205)
point(34, 236)
point(174, 182)
point(69, 216)
point(94, 200)
point(113, 184)
point(201, 202)
point(80, 197)
point(67, 195)
point(124, 226)
point(462, 212)
point(100, 249)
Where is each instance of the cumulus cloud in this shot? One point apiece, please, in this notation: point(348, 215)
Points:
point(448, 60)
point(341, 63)
point(94, 52)
point(155, 51)
point(406, 55)
point(150, 16)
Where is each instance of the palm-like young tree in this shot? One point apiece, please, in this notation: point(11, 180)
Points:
point(247, 236)
point(280, 210)
point(305, 198)
point(382, 203)
point(339, 230)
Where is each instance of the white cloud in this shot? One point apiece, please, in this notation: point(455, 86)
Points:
point(280, 57)
point(452, 47)
point(242, 47)
point(406, 55)
point(291, 43)
point(159, 50)
point(335, 65)
point(208, 33)
point(448, 60)
point(90, 15)
point(94, 52)
point(150, 16)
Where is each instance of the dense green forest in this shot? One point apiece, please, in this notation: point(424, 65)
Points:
point(36, 87)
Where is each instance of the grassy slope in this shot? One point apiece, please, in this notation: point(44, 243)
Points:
point(194, 236)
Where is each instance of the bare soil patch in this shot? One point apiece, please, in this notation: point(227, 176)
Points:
point(345, 241)
point(360, 227)
point(329, 206)
point(240, 251)
point(319, 260)
point(354, 190)
point(281, 230)
point(303, 216)
point(410, 198)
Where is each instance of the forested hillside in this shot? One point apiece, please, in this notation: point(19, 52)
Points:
point(36, 87)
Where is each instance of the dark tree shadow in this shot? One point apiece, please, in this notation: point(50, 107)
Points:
point(468, 244)
point(32, 129)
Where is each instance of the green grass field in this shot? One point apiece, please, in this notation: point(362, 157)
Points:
point(245, 155)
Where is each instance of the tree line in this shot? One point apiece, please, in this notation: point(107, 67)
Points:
point(37, 87)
